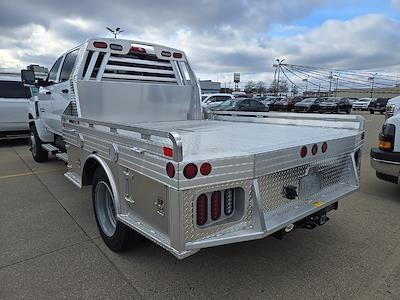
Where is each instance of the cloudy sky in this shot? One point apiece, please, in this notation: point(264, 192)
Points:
point(220, 37)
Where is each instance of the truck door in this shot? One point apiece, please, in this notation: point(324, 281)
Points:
point(45, 94)
point(60, 92)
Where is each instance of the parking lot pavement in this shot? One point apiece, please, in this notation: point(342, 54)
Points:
point(50, 247)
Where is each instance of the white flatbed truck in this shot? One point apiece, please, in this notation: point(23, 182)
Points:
point(128, 121)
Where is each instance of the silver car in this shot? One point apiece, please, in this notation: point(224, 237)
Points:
point(14, 99)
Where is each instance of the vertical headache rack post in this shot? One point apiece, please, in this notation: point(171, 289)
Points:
point(145, 133)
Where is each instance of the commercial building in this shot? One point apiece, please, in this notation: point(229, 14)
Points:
point(208, 86)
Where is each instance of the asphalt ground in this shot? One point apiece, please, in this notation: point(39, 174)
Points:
point(50, 246)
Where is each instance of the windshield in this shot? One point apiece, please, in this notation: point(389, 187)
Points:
point(364, 100)
point(228, 103)
point(309, 100)
point(203, 97)
point(331, 100)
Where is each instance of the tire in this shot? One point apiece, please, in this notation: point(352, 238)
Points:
point(371, 111)
point(38, 153)
point(348, 111)
point(381, 112)
point(114, 233)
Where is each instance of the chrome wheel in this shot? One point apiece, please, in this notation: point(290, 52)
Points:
point(105, 208)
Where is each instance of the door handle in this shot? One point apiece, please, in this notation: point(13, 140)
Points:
point(48, 93)
point(64, 91)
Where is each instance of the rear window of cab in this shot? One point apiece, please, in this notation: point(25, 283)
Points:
point(13, 89)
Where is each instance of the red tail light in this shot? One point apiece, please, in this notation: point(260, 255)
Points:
point(314, 149)
point(177, 55)
point(137, 50)
point(170, 170)
point(201, 210)
point(205, 169)
point(190, 171)
point(168, 152)
point(324, 147)
point(215, 205)
point(100, 45)
point(303, 151)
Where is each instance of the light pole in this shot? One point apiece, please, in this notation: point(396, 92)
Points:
point(337, 82)
point(330, 83)
point(306, 80)
point(279, 73)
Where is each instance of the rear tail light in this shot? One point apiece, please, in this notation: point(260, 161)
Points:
point(314, 149)
point(303, 151)
point(137, 50)
point(228, 202)
point(177, 55)
point(205, 169)
point(324, 147)
point(101, 45)
point(190, 171)
point(201, 210)
point(215, 205)
point(166, 53)
point(170, 170)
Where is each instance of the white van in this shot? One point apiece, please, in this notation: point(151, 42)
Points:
point(14, 98)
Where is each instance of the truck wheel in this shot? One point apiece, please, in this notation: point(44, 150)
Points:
point(113, 232)
point(371, 111)
point(348, 111)
point(38, 153)
point(381, 112)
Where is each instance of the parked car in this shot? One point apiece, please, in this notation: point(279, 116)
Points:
point(271, 100)
point(378, 105)
point(362, 104)
point(286, 104)
point(352, 100)
point(335, 105)
point(307, 105)
point(245, 104)
point(14, 98)
point(212, 100)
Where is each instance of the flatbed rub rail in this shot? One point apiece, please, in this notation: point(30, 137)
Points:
point(145, 133)
point(354, 122)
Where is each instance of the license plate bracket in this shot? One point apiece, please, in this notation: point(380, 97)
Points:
point(310, 184)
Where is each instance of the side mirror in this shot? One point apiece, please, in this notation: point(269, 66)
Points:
point(28, 78)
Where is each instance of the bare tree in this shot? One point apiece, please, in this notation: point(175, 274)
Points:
point(249, 87)
point(260, 87)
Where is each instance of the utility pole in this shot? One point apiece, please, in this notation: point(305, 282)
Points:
point(330, 83)
point(337, 82)
point(319, 89)
point(373, 82)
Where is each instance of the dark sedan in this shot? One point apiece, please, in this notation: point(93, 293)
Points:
point(286, 104)
point(241, 105)
point(335, 105)
point(307, 105)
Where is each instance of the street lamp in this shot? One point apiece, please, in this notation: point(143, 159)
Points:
point(279, 72)
point(372, 77)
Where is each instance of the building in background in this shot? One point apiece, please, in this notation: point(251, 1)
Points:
point(209, 87)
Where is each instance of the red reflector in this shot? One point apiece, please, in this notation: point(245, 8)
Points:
point(168, 152)
point(166, 53)
point(170, 170)
point(215, 205)
point(201, 210)
point(137, 49)
point(190, 171)
point(205, 169)
point(100, 45)
point(177, 55)
point(314, 149)
point(303, 151)
point(324, 147)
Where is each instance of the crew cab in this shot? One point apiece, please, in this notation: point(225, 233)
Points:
point(14, 99)
point(126, 116)
point(241, 104)
point(392, 107)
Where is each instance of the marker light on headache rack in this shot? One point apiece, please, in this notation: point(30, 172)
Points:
point(168, 152)
point(101, 45)
point(137, 50)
